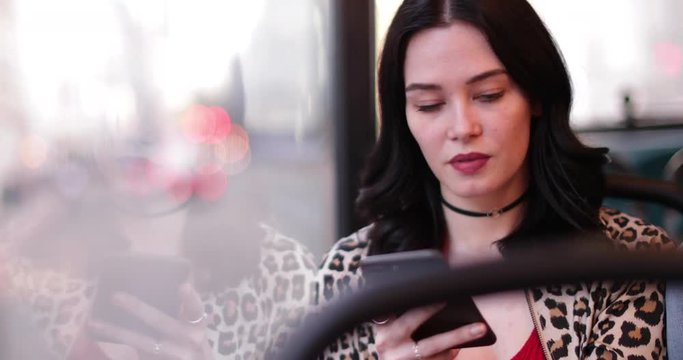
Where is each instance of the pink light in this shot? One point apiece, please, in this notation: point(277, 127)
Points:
point(236, 145)
point(33, 151)
point(669, 58)
point(211, 183)
point(206, 124)
point(181, 187)
point(221, 125)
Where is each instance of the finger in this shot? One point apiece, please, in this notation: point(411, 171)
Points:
point(406, 324)
point(194, 317)
point(407, 351)
point(137, 341)
point(380, 334)
point(452, 339)
point(150, 315)
point(192, 306)
point(398, 331)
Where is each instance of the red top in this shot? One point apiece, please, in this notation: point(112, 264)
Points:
point(531, 350)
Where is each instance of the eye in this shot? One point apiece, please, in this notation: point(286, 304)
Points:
point(429, 107)
point(490, 97)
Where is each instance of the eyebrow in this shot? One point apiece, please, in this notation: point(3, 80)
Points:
point(473, 79)
point(485, 75)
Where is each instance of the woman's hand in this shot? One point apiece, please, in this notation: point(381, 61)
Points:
point(183, 337)
point(394, 342)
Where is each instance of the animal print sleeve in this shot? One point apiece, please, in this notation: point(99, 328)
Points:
point(337, 275)
point(629, 319)
point(630, 323)
point(55, 303)
point(288, 275)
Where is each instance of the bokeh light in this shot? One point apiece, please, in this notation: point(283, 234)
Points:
point(181, 187)
point(236, 151)
point(669, 58)
point(33, 151)
point(206, 124)
point(236, 145)
point(211, 182)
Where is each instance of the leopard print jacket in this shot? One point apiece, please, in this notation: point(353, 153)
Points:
point(250, 321)
point(597, 320)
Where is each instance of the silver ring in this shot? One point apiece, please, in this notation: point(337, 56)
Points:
point(200, 319)
point(156, 350)
point(416, 351)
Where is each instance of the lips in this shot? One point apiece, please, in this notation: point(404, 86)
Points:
point(469, 163)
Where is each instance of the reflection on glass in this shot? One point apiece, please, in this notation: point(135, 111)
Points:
point(152, 156)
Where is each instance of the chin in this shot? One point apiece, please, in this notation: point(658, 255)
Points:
point(472, 188)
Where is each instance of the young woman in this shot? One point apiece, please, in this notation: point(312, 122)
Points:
point(476, 157)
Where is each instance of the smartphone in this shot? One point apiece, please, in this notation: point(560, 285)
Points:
point(410, 264)
point(153, 279)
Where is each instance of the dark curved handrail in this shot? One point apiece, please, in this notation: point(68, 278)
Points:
point(644, 189)
point(673, 170)
point(522, 271)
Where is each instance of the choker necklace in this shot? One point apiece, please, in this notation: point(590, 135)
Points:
point(492, 213)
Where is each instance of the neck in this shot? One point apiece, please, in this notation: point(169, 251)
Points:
point(473, 238)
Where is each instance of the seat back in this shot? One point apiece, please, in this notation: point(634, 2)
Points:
point(674, 319)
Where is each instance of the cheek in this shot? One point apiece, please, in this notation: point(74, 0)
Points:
point(521, 140)
point(520, 134)
point(427, 139)
point(420, 133)
point(513, 136)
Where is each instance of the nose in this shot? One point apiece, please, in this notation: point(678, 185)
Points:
point(463, 123)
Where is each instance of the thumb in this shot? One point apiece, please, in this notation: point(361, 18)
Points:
point(192, 309)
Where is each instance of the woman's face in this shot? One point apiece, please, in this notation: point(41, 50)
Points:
point(469, 118)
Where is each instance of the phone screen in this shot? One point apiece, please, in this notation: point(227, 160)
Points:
point(152, 279)
point(402, 265)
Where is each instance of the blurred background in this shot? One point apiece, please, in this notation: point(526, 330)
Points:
point(161, 104)
point(156, 124)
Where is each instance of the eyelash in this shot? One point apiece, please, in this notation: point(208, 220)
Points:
point(486, 98)
point(490, 97)
point(429, 108)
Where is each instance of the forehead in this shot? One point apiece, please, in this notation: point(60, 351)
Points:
point(454, 52)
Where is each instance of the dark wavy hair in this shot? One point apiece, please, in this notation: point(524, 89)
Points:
point(399, 193)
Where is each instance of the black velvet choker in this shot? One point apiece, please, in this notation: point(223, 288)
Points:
point(492, 213)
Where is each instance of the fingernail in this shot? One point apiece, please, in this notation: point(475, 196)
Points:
point(477, 329)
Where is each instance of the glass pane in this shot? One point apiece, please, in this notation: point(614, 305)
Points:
point(637, 54)
point(146, 144)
